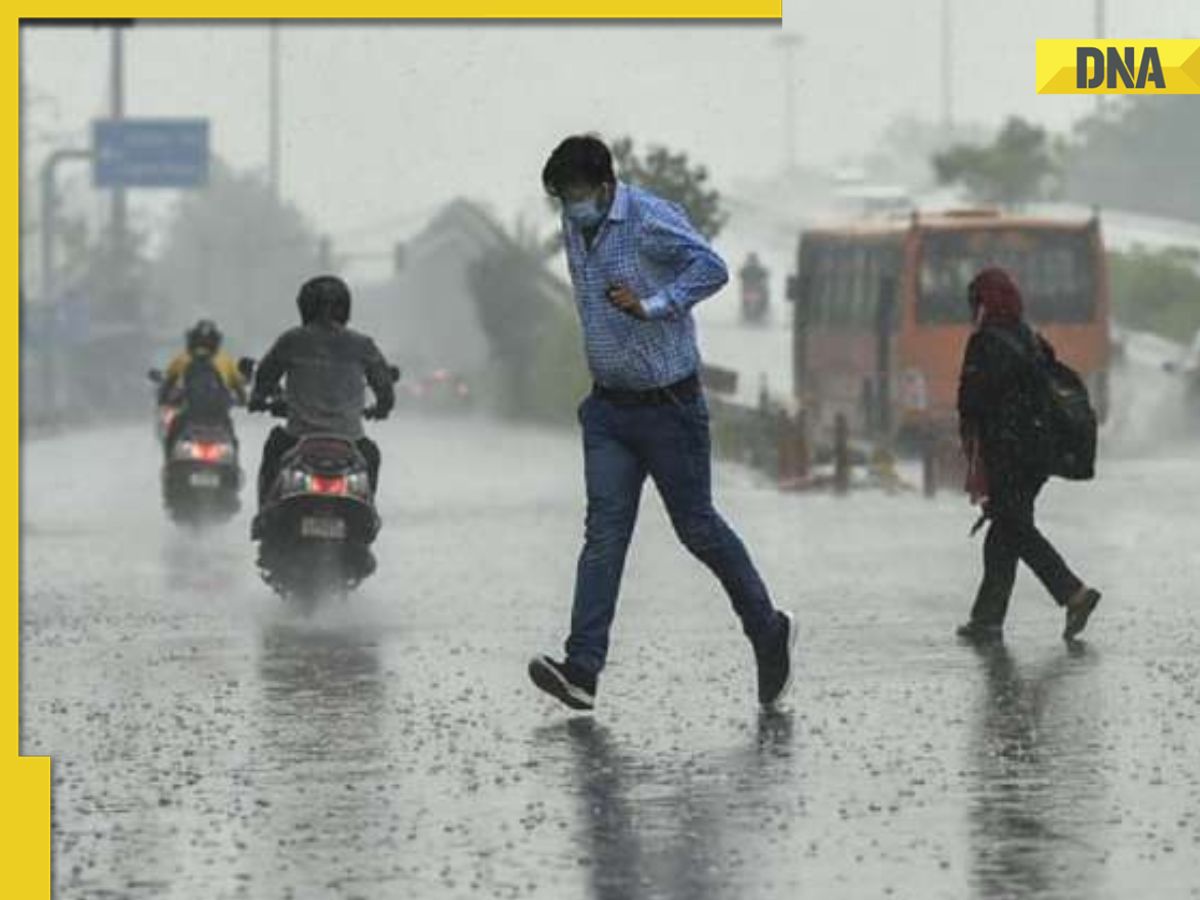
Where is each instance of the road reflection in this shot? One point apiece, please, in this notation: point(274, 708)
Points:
point(202, 559)
point(1037, 791)
point(321, 733)
point(675, 827)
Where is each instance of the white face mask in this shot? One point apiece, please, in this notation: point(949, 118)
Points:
point(584, 213)
point(587, 212)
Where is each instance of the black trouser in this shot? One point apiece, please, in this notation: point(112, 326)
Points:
point(1013, 536)
point(280, 442)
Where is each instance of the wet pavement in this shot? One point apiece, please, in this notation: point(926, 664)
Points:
point(207, 744)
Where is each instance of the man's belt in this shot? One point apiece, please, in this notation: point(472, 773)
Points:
point(676, 392)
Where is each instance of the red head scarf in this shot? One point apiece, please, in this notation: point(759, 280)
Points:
point(994, 298)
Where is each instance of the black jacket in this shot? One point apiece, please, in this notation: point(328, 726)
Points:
point(1000, 397)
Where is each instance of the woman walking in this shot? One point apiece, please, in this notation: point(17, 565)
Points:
point(1000, 397)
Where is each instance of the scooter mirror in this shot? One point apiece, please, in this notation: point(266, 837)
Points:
point(394, 371)
point(155, 375)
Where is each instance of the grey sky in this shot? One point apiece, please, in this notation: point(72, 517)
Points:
point(382, 121)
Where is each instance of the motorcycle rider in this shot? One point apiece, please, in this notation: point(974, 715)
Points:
point(755, 280)
point(202, 381)
point(325, 364)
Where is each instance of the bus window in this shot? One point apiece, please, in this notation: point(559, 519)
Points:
point(821, 274)
point(843, 298)
point(1052, 269)
point(883, 267)
point(861, 303)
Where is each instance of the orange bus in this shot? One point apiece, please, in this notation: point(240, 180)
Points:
point(881, 318)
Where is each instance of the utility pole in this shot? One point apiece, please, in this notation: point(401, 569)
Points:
point(117, 111)
point(273, 112)
point(789, 43)
point(1098, 11)
point(947, 73)
point(22, 195)
point(49, 229)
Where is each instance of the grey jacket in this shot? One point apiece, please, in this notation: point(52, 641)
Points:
point(327, 368)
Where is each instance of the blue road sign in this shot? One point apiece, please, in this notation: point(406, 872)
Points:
point(149, 153)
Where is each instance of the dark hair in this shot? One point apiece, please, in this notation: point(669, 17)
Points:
point(580, 159)
point(324, 298)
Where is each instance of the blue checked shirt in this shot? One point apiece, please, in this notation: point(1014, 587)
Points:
point(647, 244)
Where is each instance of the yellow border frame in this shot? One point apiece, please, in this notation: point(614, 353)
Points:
point(24, 781)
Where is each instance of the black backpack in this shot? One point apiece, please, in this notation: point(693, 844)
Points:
point(1065, 425)
point(206, 396)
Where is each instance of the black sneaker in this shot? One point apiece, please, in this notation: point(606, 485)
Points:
point(980, 633)
point(564, 681)
point(1079, 609)
point(776, 662)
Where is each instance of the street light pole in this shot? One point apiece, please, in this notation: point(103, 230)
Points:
point(947, 73)
point(273, 113)
point(117, 111)
point(1098, 11)
point(788, 43)
point(49, 230)
point(22, 198)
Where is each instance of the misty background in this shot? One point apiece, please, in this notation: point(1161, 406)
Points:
point(409, 157)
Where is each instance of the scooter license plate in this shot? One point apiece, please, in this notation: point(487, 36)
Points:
point(205, 479)
point(323, 527)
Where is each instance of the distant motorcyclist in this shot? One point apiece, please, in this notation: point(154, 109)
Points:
point(755, 289)
point(326, 366)
point(202, 381)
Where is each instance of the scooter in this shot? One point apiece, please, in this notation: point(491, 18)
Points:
point(200, 476)
point(318, 519)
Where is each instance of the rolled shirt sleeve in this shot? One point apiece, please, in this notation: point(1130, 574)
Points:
point(669, 239)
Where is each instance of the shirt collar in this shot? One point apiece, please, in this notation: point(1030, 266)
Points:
point(619, 210)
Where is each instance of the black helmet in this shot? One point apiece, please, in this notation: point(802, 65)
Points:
point(204, 335)
point(325, 297)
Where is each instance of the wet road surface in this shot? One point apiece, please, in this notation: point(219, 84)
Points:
point(207, 744)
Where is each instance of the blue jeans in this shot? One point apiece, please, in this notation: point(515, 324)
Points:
point(670, 443)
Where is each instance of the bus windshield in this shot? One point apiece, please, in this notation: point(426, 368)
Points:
point(1054, 270)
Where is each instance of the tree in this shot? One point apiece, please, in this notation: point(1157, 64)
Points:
point(531, 329)
point(234, 253)
point(1020, 165)
point(1157, 291)
point(673, 177)
point(1140, 155)
point(900, 154)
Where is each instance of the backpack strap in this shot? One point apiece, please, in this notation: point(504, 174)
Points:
point(1032, 354)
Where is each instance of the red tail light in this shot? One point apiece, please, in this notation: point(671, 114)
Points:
point(333, 485)
point(208, 452)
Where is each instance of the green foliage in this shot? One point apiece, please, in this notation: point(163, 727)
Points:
point(1020, 165)
point(1139, 155)
point(1157, 291)
point(673, 177)
point(534, 337)
point(559, 376)
point(902, 151)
